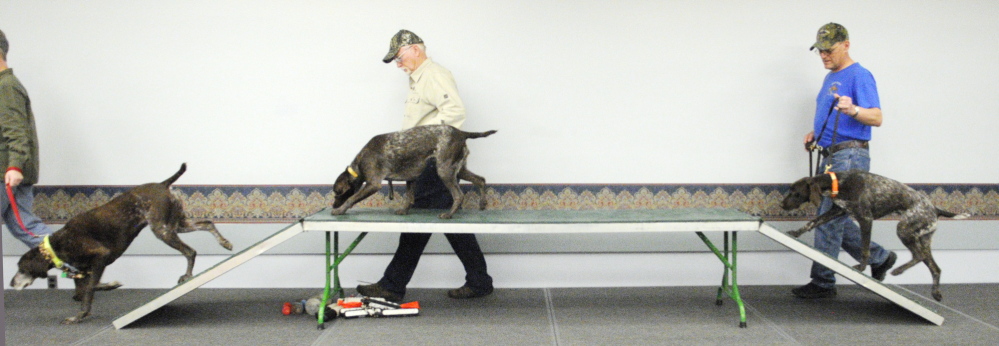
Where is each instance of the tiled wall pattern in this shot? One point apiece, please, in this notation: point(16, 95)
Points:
point(286, 203)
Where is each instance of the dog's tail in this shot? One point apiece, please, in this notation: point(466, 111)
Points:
point(170, 180)
point(478, 134)
point(955, 216)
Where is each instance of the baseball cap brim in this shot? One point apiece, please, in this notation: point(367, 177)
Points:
point(822, 45)
point(390, 55)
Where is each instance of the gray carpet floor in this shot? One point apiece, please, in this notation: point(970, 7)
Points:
point(553, 316)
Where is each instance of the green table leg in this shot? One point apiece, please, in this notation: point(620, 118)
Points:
point(731, 270)
point(335, 268)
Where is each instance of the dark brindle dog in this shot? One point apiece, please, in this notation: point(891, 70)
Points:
point(402, 156)
point(94, 239)
point(867, 197)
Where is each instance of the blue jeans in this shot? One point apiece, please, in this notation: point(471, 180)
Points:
point(843, 231)
point(25, 197)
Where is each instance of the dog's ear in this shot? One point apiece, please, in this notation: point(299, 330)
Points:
point(815, 195)
point(33, 263)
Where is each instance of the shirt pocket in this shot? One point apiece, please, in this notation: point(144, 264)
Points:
point(417, 107)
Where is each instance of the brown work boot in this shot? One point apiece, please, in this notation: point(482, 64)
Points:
point(813, 291)
point(465, 292)
point(878, 272)
point(376, 291)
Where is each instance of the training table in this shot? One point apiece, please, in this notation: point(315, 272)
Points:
point(727, 221)
point(698, 220)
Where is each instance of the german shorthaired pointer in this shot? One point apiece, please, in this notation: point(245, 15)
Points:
point(96, 238)
point(403, 156)
point(867, 197)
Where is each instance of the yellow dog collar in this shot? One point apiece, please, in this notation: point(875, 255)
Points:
point(46, 248)
point(351, 171)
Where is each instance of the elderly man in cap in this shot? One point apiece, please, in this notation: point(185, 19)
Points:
point(433, 99)
point(846, 108)
point(18, 154)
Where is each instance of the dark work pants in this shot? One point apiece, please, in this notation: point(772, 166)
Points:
point(432, 194)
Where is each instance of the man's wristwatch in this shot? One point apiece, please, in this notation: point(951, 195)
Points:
point(856, 111)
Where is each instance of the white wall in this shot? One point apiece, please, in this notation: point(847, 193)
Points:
point(286, 92)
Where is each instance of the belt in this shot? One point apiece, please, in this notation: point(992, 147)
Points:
point(845, 145)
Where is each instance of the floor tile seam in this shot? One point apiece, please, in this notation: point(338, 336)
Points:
point(93, 335)
point(328, 330)
point(773, 325)
point(973, 318)
point(552, 322)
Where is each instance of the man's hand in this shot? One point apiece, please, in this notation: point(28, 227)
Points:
point(845, 105)
point(13, 178)
point(808, 140)
point(867, 116)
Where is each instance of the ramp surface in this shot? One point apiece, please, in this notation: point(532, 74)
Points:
point(209, 274)
point(895, 296)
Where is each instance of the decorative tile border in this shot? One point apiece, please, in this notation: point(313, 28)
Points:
point(286, 203)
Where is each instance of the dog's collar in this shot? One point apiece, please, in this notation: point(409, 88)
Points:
point(835, 185)
point(68, 271)
point(46, 248)
point(351, 171)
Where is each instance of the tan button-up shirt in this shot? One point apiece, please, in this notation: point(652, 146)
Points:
point(433, 98)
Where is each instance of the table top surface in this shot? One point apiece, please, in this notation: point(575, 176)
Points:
point(429, 216)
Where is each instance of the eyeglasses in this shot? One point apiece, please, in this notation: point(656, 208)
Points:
point(398, 56)
point(821, 52)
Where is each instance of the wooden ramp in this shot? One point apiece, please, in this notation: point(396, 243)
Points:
point(209, 274)
point(895, 296)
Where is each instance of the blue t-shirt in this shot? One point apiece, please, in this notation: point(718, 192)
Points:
point(856, 82)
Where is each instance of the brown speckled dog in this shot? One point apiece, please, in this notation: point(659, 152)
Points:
point(868, 197)
point(94, 239)
point(403, 156)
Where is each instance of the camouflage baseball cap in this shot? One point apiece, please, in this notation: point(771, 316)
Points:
point(401, 39)
point(829, 35)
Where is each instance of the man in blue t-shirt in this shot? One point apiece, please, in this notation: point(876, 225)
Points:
point(845, 109)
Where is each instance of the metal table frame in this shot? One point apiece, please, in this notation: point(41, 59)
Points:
point(518, 222)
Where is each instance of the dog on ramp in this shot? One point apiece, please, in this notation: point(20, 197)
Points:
point(867, 197)
point(96, 238)
point(402, 156)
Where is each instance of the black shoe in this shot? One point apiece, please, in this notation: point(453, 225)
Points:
point(813, 291)
point(878, 272)
point(376, 291)
point(465, 292)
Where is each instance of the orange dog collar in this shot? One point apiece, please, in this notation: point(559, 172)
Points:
point(835, 185)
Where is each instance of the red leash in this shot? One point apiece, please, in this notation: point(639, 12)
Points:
point(17, 214)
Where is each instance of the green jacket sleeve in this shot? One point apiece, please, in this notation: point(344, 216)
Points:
point(15, 127)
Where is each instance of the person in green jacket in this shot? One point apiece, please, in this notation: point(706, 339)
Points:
point(18, 154)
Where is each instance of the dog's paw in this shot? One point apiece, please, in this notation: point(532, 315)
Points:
point(482, 205)
point(402, 212)
point(338, 212)
point(898, 271)
point(796, 233)
point(106, 286)
point(937, 295)
point(73, 320)
point(226, 244)
point(183, 279)
point(445, 216)
point(860, 267)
